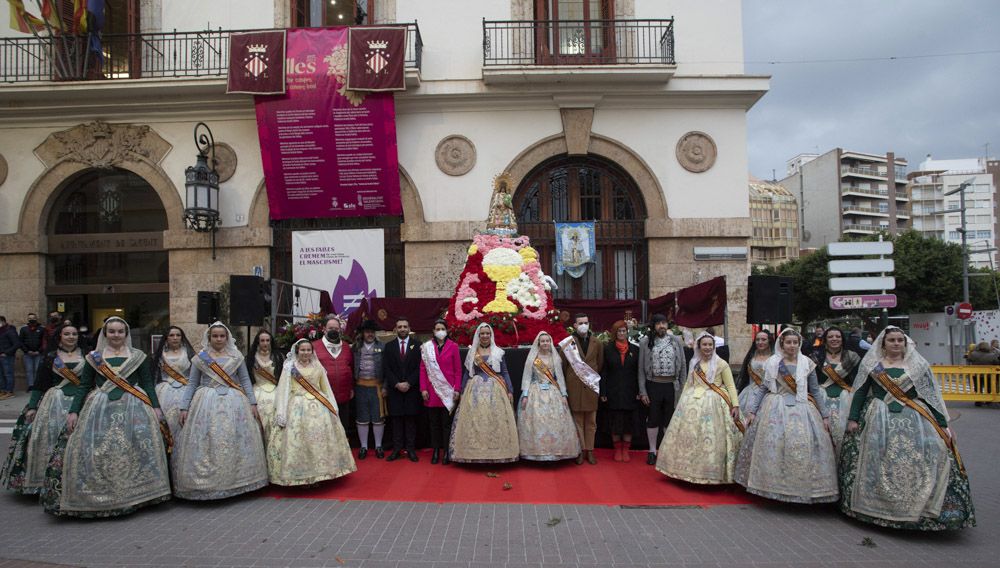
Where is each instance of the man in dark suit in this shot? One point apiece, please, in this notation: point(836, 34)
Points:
point(401, 368)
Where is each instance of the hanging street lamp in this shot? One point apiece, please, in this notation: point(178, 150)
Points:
point(201, 182)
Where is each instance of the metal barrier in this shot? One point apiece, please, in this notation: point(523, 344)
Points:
point(977, 383)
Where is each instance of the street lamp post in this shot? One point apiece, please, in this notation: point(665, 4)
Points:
point(201, 182)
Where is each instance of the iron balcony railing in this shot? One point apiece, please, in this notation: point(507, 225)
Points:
point(135, 56)
point(578, 42)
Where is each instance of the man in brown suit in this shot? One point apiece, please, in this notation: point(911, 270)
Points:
point(583, 400)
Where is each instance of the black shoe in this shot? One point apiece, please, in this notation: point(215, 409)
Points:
point(651, 458)
point(412, 454)
point(362, 453)
point(379, 453)
point(435, 456)
point(444, 458)
point(393, 456)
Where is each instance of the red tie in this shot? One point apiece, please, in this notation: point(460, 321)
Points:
point(402, 349)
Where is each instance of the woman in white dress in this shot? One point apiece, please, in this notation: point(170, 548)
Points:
point(900, 467)
point(835, 368)
point(220, 452)
point(703, 438)
point(752, 371)
point(308, 443)
point(545, 427)
point(787, 453)
point(264, 365)
point(170, 366)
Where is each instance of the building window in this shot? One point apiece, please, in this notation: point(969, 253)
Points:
point(575, 30)
point(324, 13)
point(588, 189)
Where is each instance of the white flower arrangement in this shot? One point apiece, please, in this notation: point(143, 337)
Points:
point(502, 257)
point(524, 291)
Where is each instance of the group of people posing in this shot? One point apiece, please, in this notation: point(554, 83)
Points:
point(109, 431)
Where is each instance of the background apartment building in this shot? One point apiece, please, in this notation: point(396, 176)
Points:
point(774, 216)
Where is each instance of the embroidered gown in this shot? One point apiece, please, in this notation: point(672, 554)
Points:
point(115, 461)
point(786, 453)
point(31, 445)
point(836, 398)
point(545, 428)
point(171, 391)
point(220, 452)
point(744, 398)
point(313, 446)
point(264, 391)
point(484, 429)
point(896, 470)
point(702, 441)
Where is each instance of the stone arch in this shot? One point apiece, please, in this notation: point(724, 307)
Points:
point(608, 148)
point(260, 213)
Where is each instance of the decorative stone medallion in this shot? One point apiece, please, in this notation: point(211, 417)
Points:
point(696, 152)
point(455, 155)
point(225, 161)
point(3, 169)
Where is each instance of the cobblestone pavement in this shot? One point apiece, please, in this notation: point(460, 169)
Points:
point(254, 531)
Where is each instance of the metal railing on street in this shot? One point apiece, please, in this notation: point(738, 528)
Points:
point(578, 42)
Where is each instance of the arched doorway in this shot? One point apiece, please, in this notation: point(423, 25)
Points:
point(585, 188)
point(105, 252)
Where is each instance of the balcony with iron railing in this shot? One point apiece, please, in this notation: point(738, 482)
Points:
point(865, 229)
point(140, 56)
point(846, 189)
point(862, 210)
point(561, 50)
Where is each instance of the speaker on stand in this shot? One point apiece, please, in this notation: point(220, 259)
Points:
point(769, 299)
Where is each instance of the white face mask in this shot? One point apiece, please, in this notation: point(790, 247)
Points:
point(583, 328)
point(440, 334)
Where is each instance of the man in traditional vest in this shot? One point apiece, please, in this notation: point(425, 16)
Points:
point(402, 385)
point(339, 365)
point(369, 388)
point(661, 365)
point(583, 399)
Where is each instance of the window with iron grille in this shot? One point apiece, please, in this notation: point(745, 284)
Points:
point(588, 189)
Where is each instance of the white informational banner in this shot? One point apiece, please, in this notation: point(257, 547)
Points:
point(349, 264)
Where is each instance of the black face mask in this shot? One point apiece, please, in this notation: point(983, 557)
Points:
point(333, 336)
point(54, 320)
point(32, 321)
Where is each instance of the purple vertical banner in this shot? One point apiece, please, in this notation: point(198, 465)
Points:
point(327, 151)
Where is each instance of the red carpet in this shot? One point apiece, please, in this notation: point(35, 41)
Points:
point(607, 483)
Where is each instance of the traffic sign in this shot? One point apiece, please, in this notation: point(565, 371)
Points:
point(863, 302)
point(859, 249)
point(964, 311)
point(861, 283)
point(861, 266)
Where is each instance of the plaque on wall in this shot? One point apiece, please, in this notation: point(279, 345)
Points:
point(696, 152)
point(455, 155)
point(225, 161)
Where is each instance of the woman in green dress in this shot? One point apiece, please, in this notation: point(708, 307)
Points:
point(899, 466)
point(44, 417)
point(115, 458)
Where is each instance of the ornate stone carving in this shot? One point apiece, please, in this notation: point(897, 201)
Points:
point(102, 145)
point(455, 155)
point(696, 151)
point(225, 161)
point(3, 169)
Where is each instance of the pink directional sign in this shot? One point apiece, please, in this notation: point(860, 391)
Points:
point(863, 302)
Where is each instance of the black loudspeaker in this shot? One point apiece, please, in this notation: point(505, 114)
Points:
point(208, 307)
point(769, 299)
point(249, 300)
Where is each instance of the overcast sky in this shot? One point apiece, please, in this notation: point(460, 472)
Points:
point(945, 106)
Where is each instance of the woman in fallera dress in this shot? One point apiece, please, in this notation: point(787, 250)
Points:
point(703, 438)
point(835, 369)
point(787, 454)
point(111, 459)
point(220, 452)
point(899, 466)
point(440, 383)
point(545, 428)
point(752, 371)
point(485, 430)
point(264, 365)
point(308, 443)
point(38, 428)
point(170, 365)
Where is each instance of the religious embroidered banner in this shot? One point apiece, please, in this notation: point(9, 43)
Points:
point(257, 63)
point(575, 247)
point(327, 151)
point(377, 57)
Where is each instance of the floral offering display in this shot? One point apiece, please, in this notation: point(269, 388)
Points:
point(311, 329)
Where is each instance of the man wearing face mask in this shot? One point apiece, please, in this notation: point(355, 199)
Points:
point(583, 399)
point(661, 365)
point(369, 391)
point(32, 338)
point(339, 365)
point(402, 384)
point(51, 326)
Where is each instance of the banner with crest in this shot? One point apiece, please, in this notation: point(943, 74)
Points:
point(257, 63)
point(377, 58)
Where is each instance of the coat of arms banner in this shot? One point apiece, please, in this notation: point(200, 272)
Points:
point(575, 248)
point(377, 58)
point(257, 63)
